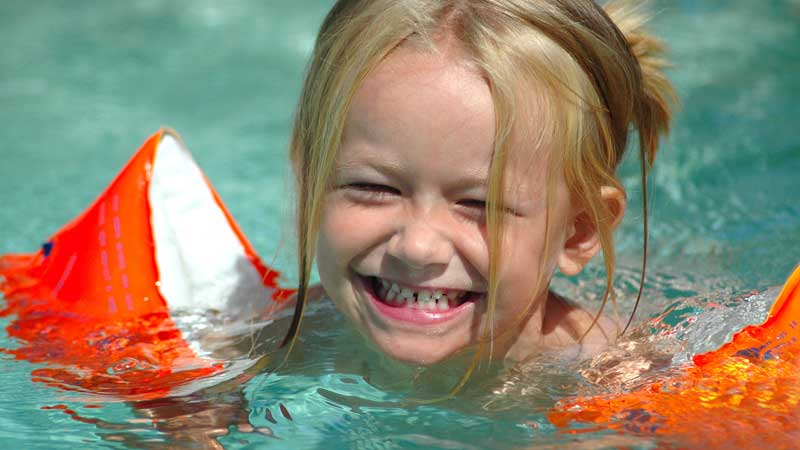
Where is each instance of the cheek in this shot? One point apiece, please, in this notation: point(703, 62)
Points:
point(336, 243)
point(523, 246)
point(346, 233)
point(471, 243)
point(334, 252)
point(525, 269)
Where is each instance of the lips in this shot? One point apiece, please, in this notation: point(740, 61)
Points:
point(418, 305)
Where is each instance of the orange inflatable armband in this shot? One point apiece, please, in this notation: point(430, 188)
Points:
point(745, 394)
point(94, 303)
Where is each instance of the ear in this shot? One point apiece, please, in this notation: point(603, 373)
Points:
point(582, 241)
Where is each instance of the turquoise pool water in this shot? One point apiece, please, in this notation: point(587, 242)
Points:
point(82, 85)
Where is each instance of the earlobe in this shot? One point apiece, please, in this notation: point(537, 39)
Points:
point(582, 240)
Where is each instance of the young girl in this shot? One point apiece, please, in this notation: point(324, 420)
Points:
point(451, 155)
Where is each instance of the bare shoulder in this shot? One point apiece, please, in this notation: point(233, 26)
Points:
point(568, 323)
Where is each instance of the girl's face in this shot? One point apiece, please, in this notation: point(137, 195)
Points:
point(403, 245)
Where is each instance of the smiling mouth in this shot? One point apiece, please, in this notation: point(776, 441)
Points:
point(431, 299)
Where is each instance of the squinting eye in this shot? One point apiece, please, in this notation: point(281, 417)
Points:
point(473, 209)
point(473, 203)
point(370, 192)
point(477, 206)
point(373, 188)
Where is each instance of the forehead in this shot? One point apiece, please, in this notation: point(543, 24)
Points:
point(424, 99)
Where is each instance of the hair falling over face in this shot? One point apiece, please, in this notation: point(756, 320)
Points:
point(597, 70)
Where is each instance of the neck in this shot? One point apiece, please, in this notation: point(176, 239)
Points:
point(529, 337)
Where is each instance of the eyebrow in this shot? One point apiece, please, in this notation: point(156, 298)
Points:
point(381, 167)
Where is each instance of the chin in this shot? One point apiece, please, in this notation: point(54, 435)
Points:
point(409, 352)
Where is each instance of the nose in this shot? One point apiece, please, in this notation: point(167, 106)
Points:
point(419, 245)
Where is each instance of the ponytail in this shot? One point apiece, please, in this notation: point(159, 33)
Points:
point(652, 112)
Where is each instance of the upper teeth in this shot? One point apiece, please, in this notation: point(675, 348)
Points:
point(436, 299)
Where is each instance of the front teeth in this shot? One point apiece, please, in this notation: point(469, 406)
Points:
point(436, 299)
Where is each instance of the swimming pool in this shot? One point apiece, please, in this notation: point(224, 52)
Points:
point(81, 87)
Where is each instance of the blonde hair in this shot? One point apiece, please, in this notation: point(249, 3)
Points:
point(602, 75)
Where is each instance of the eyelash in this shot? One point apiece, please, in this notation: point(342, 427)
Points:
point(473, 203)
point(371, 191)
point(481, 205)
